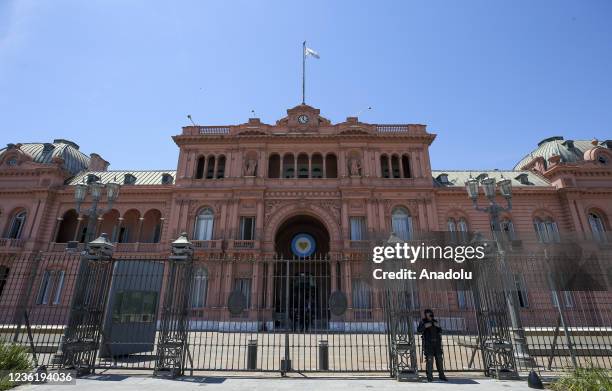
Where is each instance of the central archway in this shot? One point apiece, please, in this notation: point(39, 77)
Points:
point(302, 278)
point(301, 225)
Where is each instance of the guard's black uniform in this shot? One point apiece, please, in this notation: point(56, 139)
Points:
point(432, 345)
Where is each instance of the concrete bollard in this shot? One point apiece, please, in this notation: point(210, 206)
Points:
point(323, 355)
point(252, 354)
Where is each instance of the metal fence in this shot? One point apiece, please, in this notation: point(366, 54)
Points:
point(316, 314)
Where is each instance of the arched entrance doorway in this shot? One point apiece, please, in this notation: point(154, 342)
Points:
point(302, 283)
point(301, 226)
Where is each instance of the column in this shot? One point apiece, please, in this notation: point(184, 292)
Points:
point(216, 166)
point(381, 216)
point(118, 237)
point(414, 165)
point(341, 164)
point(309, 166)
point(270, 292)
point(162, 220)
point(262, 167)
point(389, 167)
point(78, 229)
point(139, 231)
point(334, 282)
point(345, 220)
point(98, 226)
point(324, 168)
point(256, 284)
point(58, 222)
point(259, 221)
point(295, 171)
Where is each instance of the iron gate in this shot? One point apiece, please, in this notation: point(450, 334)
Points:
point(254, 314)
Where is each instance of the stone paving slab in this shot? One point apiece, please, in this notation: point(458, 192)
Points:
point(132, 383)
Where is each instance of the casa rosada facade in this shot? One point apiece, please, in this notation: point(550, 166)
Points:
point(255, 190)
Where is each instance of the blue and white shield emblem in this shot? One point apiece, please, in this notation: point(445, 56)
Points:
point(303, 245)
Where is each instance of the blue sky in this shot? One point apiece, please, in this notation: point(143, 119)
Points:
point(490, 78)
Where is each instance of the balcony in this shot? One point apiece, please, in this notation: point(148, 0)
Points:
point(119, 247)
point(207, 244)
point(7, 244)
point(357, 244)
point(238, 244)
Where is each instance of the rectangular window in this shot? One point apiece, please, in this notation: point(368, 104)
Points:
point(45, 288)
point(247, 228)
point(521, 290)
point(4, 272)
point(51, 286)
point(59, 285)
point(361, 298)
point(362, 295)
point(358, 228)
point(567, 297)
point(199, 290)
point(204, 227)
point(243, 285)
point(465, 299)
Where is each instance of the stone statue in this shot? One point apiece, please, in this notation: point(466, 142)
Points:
point(249, 167)
point(355, 167)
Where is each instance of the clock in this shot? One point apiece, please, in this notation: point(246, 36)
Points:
point(303, 119)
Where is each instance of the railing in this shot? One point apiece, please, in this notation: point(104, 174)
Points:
point(11, 243)
point(358, 244)
point(243, 244)
point(119, 247)
point(392, 128)
point(214, 129)
point(207, 244)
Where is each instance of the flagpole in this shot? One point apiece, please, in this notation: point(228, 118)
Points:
point(304, 73)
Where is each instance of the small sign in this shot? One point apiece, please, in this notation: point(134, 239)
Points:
point(303, 245)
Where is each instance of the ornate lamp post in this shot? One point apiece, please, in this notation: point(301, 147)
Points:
point(489, 186)
point(95, 189)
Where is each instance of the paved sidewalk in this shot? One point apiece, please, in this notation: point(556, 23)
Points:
point(130, 383)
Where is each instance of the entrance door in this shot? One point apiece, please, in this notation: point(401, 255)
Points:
point(301, 292)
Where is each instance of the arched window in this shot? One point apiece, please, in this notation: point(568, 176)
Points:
point(210, 167)
point(302, 165)
point(597, 227)
point(401, 223)
point(151, 227)
point(406, 166)
point(395, 168)
point(199, 288)
point(274, 166)
point(316, 166)
point(199, 174)
point(546, 230)
point(288, 166)
point(67, 227)
point(204, 225)
point(221, 167)
point(458, 229)
point(16, 228)
point(331, 166)
point(384, 166)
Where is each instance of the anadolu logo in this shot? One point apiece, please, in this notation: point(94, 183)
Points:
point(303, 245)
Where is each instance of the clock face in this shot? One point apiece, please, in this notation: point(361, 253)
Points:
point(303, 119)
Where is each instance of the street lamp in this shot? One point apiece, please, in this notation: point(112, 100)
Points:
point(490, 186)
point(96, 189)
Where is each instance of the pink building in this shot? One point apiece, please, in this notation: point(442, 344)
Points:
point(249, 190)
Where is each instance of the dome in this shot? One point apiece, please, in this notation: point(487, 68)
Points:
point(568, 151)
